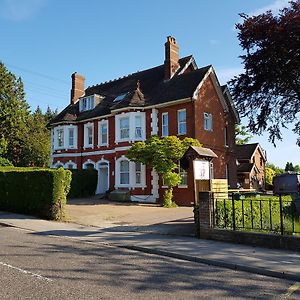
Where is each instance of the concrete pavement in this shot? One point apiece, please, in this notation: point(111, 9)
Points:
point(270, 262)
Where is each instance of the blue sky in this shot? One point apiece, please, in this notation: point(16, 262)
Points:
point(45, 41)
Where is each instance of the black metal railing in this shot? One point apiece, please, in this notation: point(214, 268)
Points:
point(268, 215)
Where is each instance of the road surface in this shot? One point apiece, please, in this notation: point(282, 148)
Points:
point(34, 266)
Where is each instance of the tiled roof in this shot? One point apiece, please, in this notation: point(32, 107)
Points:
point(153, 89)
point(245, 151)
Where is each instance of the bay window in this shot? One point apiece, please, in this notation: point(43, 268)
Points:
point(130, 127)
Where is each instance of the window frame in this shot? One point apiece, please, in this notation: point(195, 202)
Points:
point(181, 122)
point(101, 124)
point(131, 127)
point(88, 126)
point(136, 126)
point(126, 129)
point(163, 125)
point(182, 173)
point(124, 172)
point(62, 139)
point(71, 129)
point(87, 103)
point(207, 121)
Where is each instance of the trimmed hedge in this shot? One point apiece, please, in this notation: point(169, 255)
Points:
point(39, 192)
point(84, 183)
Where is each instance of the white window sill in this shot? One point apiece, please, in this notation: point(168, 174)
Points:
point(182, 186)
point(103, 145)
point(139, 186)
point(123, 186)
point(88, 147)
point(181, 133)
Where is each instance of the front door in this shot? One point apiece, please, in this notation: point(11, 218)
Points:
point(103, 182)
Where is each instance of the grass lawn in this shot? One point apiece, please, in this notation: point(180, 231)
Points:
point(258, 214)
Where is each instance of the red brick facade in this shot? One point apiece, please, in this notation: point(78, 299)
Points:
point(208, 98)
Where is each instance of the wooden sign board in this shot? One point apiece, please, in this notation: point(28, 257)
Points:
point(220, 188)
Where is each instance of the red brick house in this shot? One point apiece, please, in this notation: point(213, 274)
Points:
point(176, 98)
point(251, 169)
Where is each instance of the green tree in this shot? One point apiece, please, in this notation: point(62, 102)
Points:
point(271, 171)
point(242, 135)
point(37, 141)
point(14, 113)
point(50, 114)
point(163, 155)
point(268, 91)
point(289, 167)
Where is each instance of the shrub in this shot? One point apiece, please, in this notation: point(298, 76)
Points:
point(4, 162)
point(40, 192)
point(84, 183)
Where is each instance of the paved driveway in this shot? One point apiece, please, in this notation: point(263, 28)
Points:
point(131, 216)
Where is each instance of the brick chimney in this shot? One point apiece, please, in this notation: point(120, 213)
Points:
point(171, 57)
point(77, 87)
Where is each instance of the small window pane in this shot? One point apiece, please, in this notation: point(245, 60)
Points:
point(71, 137)
point(138, 127)
point(183, 175)
point(124, 128)
point(60, 136)
point(124, 172)
point(207, 121)
point(182, 121)
point(138, 175)
point(165, 124)
point(103, 131)
point(90, 135)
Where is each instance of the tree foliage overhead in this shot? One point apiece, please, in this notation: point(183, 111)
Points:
point(163, 154)
point(268, 92)
point(242, 135)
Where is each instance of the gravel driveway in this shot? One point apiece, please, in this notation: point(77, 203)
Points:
point(131, 216)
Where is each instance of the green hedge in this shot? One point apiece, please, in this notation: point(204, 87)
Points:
point(39, 192)
point(4, 162)
point(84, 183)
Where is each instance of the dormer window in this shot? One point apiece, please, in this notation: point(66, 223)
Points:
point(87, 103)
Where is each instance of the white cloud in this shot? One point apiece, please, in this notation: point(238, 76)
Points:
point(274, 7)
point(19, 10)
point(225, 74)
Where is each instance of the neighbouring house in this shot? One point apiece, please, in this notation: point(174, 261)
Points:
point(176, 98)
point(251, 169)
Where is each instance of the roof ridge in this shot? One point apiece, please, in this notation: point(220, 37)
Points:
point(130, 74)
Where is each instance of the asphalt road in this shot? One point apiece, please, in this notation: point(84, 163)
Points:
point(35, 266)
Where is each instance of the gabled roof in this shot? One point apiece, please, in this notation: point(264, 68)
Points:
point(245, 152)
point(229, 102)
point(152, 86)
point(245, 168)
